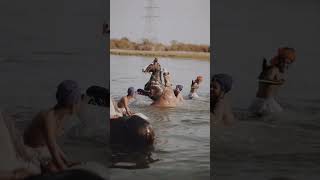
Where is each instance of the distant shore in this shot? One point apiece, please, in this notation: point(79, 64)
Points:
point(171, 54)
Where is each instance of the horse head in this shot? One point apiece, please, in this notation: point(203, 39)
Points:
point(151, 68)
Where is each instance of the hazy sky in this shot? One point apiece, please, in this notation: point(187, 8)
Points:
point(181, 20)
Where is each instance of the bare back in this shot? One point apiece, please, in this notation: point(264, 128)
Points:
point(123, 102)
point(167, 99)
point(36, 134)
point(223, 115)
point(180, 98)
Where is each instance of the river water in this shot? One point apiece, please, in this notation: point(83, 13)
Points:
point(182, 133)
point(283, 145)
point(29, 86)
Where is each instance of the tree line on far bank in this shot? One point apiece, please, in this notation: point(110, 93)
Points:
point(147, 45)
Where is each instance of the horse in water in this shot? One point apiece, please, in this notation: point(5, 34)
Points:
point(161, 94)
point(154, 87)
point(155, 69)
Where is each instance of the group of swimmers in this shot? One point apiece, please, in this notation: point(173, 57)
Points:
point(270, 79)
point(121, 108)
point(38, 146)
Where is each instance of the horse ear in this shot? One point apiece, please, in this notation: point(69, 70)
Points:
point(264, 64)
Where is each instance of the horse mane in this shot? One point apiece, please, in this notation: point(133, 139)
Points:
point(149, 67)
point(152, 68)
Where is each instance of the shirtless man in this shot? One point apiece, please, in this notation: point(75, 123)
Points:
point(219, 106)
point(41, 136)
point(177, 93)
point(114, 113)
point(167, 99)
point(167, 78)
point(270, 80)
point(124, 102)
point(195, 86)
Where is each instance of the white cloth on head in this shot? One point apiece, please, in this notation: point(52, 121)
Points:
point(265, 106)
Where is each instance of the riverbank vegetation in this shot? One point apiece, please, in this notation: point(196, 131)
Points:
point(177, 49)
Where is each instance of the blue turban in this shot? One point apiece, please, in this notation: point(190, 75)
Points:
point(180, 87)
point(68, 93)
point(224, 80)
point(131, 91)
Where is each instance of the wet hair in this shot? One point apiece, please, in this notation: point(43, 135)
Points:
point(132, 132)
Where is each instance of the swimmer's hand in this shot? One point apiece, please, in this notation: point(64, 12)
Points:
point(127, 113)
point(115, 116)
point(131, 113)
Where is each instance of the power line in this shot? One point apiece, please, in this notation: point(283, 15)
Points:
point(151, 18)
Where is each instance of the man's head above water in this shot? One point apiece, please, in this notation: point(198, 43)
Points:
point(220, 85)
point(165, 72)
point(131, 91)
point(179, 87)
point(68, 95)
